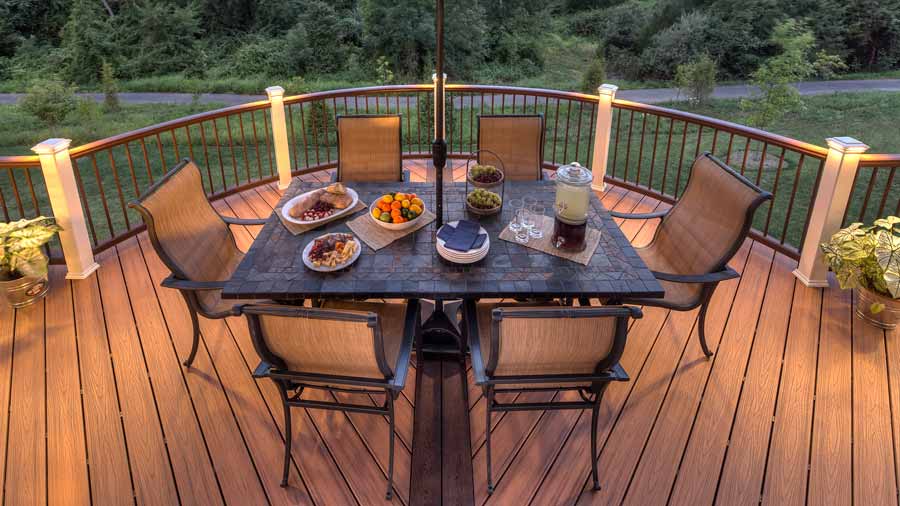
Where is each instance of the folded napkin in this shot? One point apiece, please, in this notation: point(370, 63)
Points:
point(464, 237)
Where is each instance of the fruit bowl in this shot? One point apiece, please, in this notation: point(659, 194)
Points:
point(482, 196)
point(397, 214)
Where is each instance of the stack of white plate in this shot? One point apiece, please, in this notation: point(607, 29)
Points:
point(464, 257)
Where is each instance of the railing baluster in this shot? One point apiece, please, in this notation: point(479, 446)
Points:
point(662, 186)
point(872, 176)
point(146, 160)
point(244, 147)
point(290, 123)
point(87, 209)
point(162, 157)
point(408, 127)
point(715, 139)
point(699, 140)
point(555, 131)
point(303, 129)
point(566, 141)
point(591, 134)
point(653, 156)
point(578, 131)
point(34, 199)
point(774, 191)
point(728, 153)
point(269, 142)
point(212, 186)
point(256, 143)
point(471, 123)
point(15, 187)
point(112, 230)
point(137, 189)
point(762, 162)
point(887, 191)
point(640, 160)
point(790, 207)
point(115, 171)
point(3, 202)
point(744, 158)
point(234, 164)
point(175, 145)
point(680, 160)
point(190, 143)
point(215, 125)
point(615, 152)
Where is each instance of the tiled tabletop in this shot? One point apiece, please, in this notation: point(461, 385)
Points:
point(411, 267)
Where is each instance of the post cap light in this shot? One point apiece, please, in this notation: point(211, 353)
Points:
point(434, 76)
point(274, 91)
point(846, 145)
point(52, 146)
point(608, 89)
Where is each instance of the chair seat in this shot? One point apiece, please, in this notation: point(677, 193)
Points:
point(392, 317)
point(678, 295)
point(211, 301)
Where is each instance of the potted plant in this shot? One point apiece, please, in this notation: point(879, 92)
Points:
point(867, 259)
point(23, 266)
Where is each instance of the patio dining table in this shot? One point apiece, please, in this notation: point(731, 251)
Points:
point(410, 267)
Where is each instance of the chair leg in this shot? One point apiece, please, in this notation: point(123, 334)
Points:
point(288, 433)
point(196, 342)
point(489, 401)
point(595, 416)
point(390, 485)
point(702, 329)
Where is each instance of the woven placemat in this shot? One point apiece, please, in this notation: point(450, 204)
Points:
point(583, 257)
point(297, 229)
point(377, 236)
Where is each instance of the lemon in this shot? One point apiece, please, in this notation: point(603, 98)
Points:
point(387, 199)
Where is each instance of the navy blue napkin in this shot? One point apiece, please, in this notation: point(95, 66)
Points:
point(463, 237)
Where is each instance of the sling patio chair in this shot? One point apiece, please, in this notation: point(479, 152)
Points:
point(518, 140)
point(698, 236)
point(370, 148)
point(517, 348)
point(353, 347)
point(194, 242)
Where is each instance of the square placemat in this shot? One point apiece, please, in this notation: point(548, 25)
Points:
point(377, 236)
point(583, 257)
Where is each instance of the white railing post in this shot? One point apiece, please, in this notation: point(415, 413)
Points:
point(443, 127)
point(59, 176)
point(279, 134)
point(829, 206)
point(607, 93)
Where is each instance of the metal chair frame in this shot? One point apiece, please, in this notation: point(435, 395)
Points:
point(605, 372)
point(178, 280)
point(291, 384)
point(403, 174)
point(540, 169)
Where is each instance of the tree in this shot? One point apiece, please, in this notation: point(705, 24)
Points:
point(775, 78)
point(155, 37)
point(678, 44)
point(697, 79)
point(110, 88)
point(865, 32)
point(322, 40)
point(87, 40)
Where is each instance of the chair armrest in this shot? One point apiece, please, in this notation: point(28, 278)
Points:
point(638, 216)
point(244, 221)
point(184, 284)
point(410, 328)
point(713, 277)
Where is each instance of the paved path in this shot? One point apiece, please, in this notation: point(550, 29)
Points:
point(647, 96)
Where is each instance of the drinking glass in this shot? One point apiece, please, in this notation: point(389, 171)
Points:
point(516, 205)
point(537, 211)
point(522, 217)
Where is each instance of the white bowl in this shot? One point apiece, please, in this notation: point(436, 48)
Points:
point(285, 210)
point(394, 226)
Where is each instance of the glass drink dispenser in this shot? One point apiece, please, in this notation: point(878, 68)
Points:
point(573, 196)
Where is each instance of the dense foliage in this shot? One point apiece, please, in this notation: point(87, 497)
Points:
point(371, 40)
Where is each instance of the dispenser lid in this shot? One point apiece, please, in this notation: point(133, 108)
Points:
point(574, 174)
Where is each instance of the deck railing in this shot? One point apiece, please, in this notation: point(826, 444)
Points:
point(650, 151)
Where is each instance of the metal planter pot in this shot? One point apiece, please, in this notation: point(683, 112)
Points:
point(21, 292)
point(876, 309)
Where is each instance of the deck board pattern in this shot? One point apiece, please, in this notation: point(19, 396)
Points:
point(799, 405)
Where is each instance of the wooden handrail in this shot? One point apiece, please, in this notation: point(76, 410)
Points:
point(879, 160)
point(19, 162)
point(350, 92)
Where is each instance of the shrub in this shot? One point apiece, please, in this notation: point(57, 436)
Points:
point(156, 37)
point(260, 55)
point(110, 88)
point(677, 44)
point(775, 78)
point(87, 40)
point(697, 79)
point(49, 100)
point(595, 74)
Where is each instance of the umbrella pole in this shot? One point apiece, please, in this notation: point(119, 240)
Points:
point(439, 145)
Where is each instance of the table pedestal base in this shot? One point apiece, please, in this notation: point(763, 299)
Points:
point(441, 337)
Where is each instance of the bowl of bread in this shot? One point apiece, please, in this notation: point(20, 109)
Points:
point(320, 205)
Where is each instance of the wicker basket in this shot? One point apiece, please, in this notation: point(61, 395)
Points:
point(486, 186)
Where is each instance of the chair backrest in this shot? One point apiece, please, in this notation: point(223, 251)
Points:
point(313, 341)
point(710, 221)
point(519, 142)
point(369, 148)
point(186, 232)
point(557, 341)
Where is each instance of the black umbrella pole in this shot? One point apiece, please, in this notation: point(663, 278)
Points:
point(439, 146)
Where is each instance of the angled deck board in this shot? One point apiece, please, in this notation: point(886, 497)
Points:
point(26, 456)
point(831, 455)
point(786, 474)
point(67, 473)
point(7, 355)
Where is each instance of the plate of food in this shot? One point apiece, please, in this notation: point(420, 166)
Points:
point(397, 211)
point(320, 205)
point(331, 252)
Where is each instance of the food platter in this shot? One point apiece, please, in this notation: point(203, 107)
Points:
point(406, 212)
point(327, 268)
point(305, 198)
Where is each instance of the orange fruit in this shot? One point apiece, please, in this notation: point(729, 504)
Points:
point(396, 205)
point(404, 202)
point(384, 206)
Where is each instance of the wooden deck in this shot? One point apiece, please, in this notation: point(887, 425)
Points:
point(800, 404)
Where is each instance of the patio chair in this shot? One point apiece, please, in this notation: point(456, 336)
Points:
point(698, 236)
point(354, 347)
point(517, 348)
point(194, 242)
point(370, 149)
point(519, 142)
